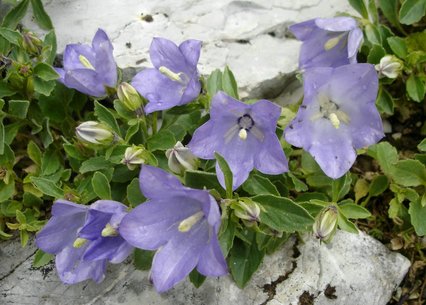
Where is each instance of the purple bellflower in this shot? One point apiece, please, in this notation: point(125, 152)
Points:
point(82, 246)
point(338, 115)
point(174, 80)
point(89, 69)
point(182, 223)
point(328, 42)
point(244, 135)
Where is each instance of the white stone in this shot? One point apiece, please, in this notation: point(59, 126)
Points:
point(234, 33)
point(360, 269)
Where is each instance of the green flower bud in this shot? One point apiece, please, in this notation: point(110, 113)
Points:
point(31, 43)
point(181, 159)
point(129, 97)
point(389, 66)
point(325, 224)
point(93, 132)
point(247, 210)
point(134, 156)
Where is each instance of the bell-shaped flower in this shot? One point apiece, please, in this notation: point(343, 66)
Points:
point(328, 42)
point(174, 80)
point(338, 115)
point(89, 69)
point(180, 159)
point(244, 135)
point(182, 223)
point(60, 237)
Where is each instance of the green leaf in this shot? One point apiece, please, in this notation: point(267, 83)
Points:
point(45, 72)
point(345, 224)
point(2, 136)
point(15, 15)
point(23, 234)
point(200, 180)
point(42, 259)
point(418, 215)
point(229, 84)
point(101, 186)
point(162, 140)
point(372, 34)
point(244, 260)
point(422, 145)
point(51, 108)
point(376, 53)
point(42, 86)
point(409, 173)
point(143, 259)
point(94, 164)
point(227, 173)
point(5, 90)
point(49, 47)
point(372, 9)
point(340, 187)
point(398, 46)
point(354, 211)
point(47, 186)
point(14, 37)
point(384, 101)
point(50, 162)
point(214, 82)
point(378, 185)
point(226, 236)
point(19, 108)
point(40, 15)
point(105, 115)
point(360, 7)
point(390, 10)
point(415, 88)
point(6, 190)
point(134, 195)
point(282, 214)
point(412, 11)
point(385, 154)
point(196, 278)
point(258, 185)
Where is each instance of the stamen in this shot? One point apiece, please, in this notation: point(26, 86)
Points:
point(79, 242)
point(242, 134)
point(332, 42)
point(109, 231)
point(186, 224)
point(334, 120)
point(170, 74)
point(85, 62)
point(230, 133)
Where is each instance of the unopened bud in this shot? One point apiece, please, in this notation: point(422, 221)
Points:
point(389, 66)
point(129, 97)
point(247, 209)
point(134, 156)
point(180, 159)
point(95, 133)
point(325, 224)
point(31, 43)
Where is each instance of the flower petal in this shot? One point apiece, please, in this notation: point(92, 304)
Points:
point(72, 269)
point(164, 52)
point(212, 262)
point(270, 159)
point(155, 182)
point(72, 56)
point(192, 90)
point(95, 223)
point(85, 81)
point(224, 107)
point(303, 30)
point(173, 262)
point(354, 43)
point(105, 63)
point(336, 24)
point(110, 248)
point(191, 50)
point(162, 92)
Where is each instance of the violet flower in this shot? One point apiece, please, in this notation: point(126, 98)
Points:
point(84, 238)
point(182, 223)
point(244, 135)
point(174, 80)
point(89, 69)
point(338, 115)
point(328, 42)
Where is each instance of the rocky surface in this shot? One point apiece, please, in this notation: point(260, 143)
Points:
point(250, 36)
point(353, 269)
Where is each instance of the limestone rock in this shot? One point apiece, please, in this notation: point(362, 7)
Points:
point(353, 269)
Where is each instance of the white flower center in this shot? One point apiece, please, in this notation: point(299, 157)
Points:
point(330, 111)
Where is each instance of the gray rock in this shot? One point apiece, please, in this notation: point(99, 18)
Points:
point(250, 36)
point(353, 269)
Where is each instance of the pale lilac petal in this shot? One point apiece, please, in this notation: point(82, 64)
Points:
point(191, 49)
point(164, 52)
point(303, 30)
point(61, 73)
point(174, 261)
point(151, 224)
point(96, 222)
point(155, 183)
point(224, 107)
point(211, 210)
point(72, 56)
point(162, 92)
point(212, 261)
point(72, 269)
point(116, 209)
point(336, 24)
point(271, 159)
point(104, 63)
point(192, 91)
point(114, 247)
point(354, 43)
point(85, 81)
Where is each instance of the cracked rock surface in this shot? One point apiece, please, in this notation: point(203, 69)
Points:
point(250, 36)
point(353, 269)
